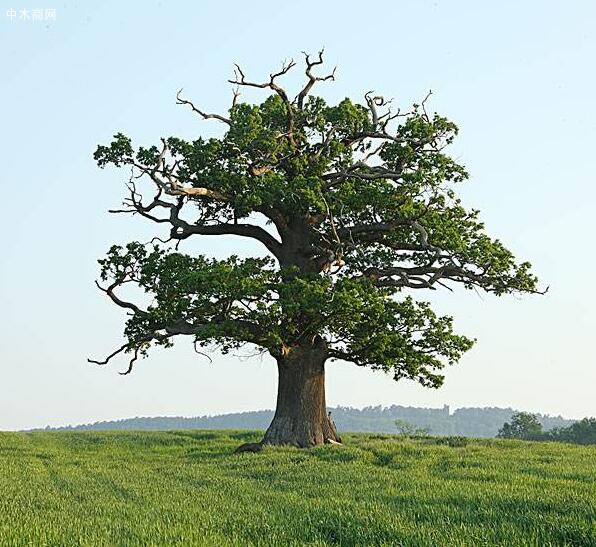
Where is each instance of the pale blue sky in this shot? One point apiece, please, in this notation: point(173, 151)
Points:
point(517, 77)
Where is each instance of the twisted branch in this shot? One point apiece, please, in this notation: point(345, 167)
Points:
point(204, 115)
point(312, 79)
point(240, 80)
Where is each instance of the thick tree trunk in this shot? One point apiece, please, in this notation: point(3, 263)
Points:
point(300, 417)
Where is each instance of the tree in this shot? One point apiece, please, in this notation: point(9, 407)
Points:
point(582, 432)
point(355, 208)
point(523, 425)
point(407, 429)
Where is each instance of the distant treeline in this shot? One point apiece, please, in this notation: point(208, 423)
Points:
point(468, 422)
point(582, 432)
point(527, 426)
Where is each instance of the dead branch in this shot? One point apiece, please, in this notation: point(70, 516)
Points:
point(204, 115)
point(312, 79)
point(113, 354)
point(240, 80)
point(131, 362)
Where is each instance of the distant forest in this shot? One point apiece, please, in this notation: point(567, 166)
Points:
point(468, 422)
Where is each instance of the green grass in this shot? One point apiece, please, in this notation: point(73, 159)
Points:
point(187, 488)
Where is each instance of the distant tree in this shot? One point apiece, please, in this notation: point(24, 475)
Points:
point(582, 432)
point(523, 425)
point(355, 207)
point(407, 429)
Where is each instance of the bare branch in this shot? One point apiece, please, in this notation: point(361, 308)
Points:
point(246, 230)
point(180, 327)
point(117, 300)
point(182, 229)
point(201, 352)
point(372, 103)
point(355, 171)
point(113, 354)
point(423, 103)
point(312, 79)
point(204, 115)
point(131, 362)
point(236, 94)
point(240, 80)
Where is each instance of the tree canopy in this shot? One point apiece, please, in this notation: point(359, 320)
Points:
point(523, 425)
point(526, 426)
point(355, 207)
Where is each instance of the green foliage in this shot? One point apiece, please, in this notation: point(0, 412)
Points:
point(582, 432)
point(357, 213)
point(120, 152)
point(523, 425)
point(453, 441)
point(403, 337)
point(406, 429)
point(179, 488)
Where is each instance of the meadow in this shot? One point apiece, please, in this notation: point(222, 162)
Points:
point(188, 488)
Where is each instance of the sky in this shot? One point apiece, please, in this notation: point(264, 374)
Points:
point(517, 77)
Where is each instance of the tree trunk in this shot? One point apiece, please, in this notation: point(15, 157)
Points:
point(301, 417)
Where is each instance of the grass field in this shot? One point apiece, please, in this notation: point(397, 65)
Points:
point(187, 488)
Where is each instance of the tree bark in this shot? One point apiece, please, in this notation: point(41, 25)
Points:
point(301, 417)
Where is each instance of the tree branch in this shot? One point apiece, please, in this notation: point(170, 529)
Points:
point(312, 79)
point(182, 229)
point(245, 230)
point(113, 354)
point(240, 80)
point(204, 115)
point(117, 300)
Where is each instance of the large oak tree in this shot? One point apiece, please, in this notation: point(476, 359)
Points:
point(354, 207)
